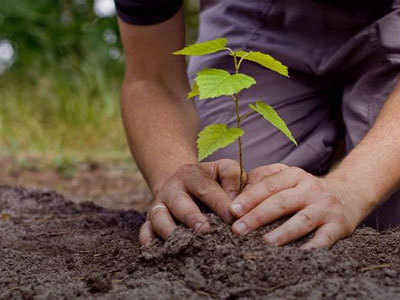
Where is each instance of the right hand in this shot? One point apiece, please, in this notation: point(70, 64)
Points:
point(215, 184)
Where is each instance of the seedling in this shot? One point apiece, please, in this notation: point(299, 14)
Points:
point(213, 83)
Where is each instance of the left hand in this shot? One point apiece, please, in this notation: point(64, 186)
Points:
point(319, 204)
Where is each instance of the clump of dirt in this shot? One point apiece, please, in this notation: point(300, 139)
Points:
point(52, 248)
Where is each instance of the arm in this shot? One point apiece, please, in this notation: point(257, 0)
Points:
point(333, 205)
point(364, 172)
point(162, 126)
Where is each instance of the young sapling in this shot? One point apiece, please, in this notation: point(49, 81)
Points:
point(213, 83)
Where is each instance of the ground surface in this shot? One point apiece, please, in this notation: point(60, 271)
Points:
point(110, 184)
point(52, 248)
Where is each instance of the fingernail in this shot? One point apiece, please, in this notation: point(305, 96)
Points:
point(270, 240)
point(237, 209)
point(240, 228)
point(305, 247)
point(147, 243)
point(198, 226)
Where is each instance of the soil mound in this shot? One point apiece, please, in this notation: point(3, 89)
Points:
point(51, 248)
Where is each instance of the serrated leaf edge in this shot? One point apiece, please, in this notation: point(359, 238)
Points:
point(202, 97)
point(181, 51)
point(202, 157)
point(243, 54)
point(256, 108)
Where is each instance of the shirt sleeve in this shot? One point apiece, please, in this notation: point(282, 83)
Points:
point(147, 12)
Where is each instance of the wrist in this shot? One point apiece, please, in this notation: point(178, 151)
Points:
point(358, 201)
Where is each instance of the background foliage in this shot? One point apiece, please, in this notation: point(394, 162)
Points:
point(60, 95)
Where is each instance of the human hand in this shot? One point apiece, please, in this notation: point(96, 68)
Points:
point(319, 204)
point(215, 184)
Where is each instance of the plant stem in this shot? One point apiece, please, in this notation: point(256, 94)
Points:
point(238, 125)
point(241, 60)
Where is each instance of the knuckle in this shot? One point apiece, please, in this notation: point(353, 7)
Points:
point(229, 171)
point(259, 173)
point(332, 204)
point(282, 203)
point(306, 219)
point(204, 190)
point(278, 167)
point(165, 196)
point(299, 173)
point(210, 170)
point(270, 188)
point(175, 200)
point(315, 185)
point(172, 184)
point(343, 223)
point(186, 170)
point(227, 163)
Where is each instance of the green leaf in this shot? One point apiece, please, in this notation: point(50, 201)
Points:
point(216, 82)
point(215, 137)
point(264, 60)
point(195, 91)
point(203, 48)
point(272, 116)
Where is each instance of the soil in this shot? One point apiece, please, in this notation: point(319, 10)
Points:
point(114, 185)
point(52, 248)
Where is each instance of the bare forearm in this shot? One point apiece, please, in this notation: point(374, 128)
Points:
point(161, 125)
point(371, 172)
point(161, 128)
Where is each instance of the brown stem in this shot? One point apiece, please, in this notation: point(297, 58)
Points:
point(238, 123)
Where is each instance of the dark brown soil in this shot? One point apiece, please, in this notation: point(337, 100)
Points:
point(51, 248)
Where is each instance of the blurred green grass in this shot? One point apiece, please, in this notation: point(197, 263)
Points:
point(68, 110)
point(60, 99)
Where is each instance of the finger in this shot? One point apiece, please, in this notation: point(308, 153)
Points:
point(183, 208)
point(296, 227)
point(326, 236)
point(257, 193)
point(258, 174)
point(284, 203)
point(198, 183)
point(161, 221)
point(146, 235)
point(227, 172)
point(229, 176)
